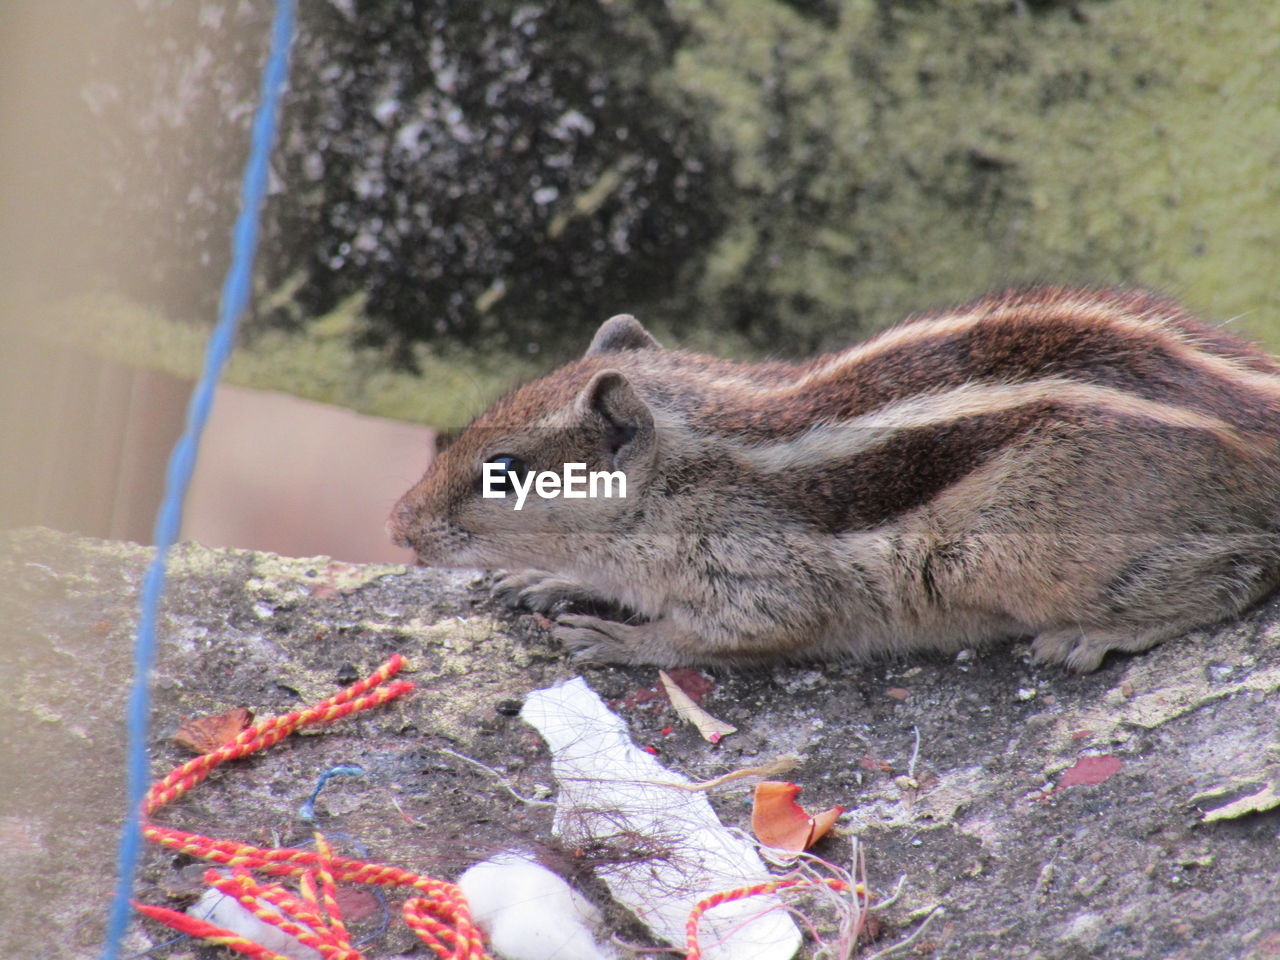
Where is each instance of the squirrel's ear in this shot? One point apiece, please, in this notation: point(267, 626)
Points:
point(629, 430)
point(622, 332)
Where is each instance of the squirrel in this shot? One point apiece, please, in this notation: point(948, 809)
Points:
point(1094, 469)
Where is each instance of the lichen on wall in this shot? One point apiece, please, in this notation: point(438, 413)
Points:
point(887, 157)
point(749, 178)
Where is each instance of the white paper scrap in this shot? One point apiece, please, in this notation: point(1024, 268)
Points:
point(608, 787)
point(223, 911)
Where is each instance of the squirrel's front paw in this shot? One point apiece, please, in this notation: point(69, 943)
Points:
point(658, 643)
point(539, 591)
point(596, 640)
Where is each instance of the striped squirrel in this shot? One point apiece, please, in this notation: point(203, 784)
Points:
point(1095, 469)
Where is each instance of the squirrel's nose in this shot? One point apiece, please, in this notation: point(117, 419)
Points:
point(399, 523)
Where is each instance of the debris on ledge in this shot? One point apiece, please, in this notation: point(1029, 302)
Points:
point(1128, 812)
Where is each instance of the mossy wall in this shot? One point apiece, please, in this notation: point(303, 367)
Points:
point(889, 156)
point(840, 165)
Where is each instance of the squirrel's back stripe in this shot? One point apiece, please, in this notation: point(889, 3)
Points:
point(1136, 345)
point(881, 474)
point(842, 440)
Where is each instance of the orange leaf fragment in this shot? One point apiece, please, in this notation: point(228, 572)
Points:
point(206, 734)
point(779, 822)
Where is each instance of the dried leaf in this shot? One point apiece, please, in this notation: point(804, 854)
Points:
point(711, 729)
point(779, 822)
point(206, 734)
point(823, 822)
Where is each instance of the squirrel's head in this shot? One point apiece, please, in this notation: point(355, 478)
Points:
point(534, 477)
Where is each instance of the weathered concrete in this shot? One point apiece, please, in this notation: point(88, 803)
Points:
point(1023, 865)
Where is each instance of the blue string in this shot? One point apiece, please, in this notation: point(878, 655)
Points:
point(235, 297)
point(307, 812)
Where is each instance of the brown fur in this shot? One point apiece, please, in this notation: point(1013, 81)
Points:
point(1096, 469)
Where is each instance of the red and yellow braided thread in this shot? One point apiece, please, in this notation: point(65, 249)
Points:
point(693, 950)
point(434, 918)
point(439, 914)
point(207, 931)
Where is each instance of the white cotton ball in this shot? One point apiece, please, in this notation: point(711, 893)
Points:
point(217, 908)
point(530, 913)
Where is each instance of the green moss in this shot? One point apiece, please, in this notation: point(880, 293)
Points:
point(921, 153)
point(913, 155)
point(1195, 160)
point(321, 363)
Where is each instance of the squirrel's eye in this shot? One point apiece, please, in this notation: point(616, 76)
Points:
point(503, 470)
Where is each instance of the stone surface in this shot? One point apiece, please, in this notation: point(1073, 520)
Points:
point(1049, 815)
